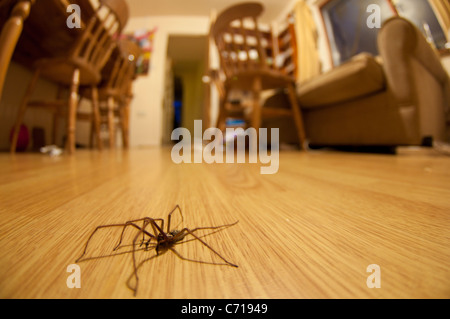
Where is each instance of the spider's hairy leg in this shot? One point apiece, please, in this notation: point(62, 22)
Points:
point(155, 227)
point(145, 220)
point(106, 226)
point(169, 217)
point(215, 228)
point(191, 232)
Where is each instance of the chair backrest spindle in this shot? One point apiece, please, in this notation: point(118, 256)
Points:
point(242, 44)
point(120, 70)
point(288, 50)
point(95, 44)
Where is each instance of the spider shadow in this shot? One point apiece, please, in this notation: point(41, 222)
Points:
point(173, 250)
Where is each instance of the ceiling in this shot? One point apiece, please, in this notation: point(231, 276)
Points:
point(139, 8)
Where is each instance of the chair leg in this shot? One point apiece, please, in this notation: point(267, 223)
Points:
point(124, 121)
point(91, 134)
point(96, 113)
point(111, 123)
point(54, 127)
point(72, 113)
point(23, 109)
point(56, 114)
point(221, 119)
point(298, 118)
point(256, 111)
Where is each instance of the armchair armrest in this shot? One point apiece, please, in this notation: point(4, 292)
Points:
point(399, 43)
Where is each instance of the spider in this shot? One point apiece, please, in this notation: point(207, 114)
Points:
point(163, 241)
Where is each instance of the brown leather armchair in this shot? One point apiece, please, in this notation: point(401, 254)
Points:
point(398, 98)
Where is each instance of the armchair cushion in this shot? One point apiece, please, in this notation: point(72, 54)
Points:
point(361, 76)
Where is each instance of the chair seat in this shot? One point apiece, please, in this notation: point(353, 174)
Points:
point(61, 70)
point(103, 93)
point(361, 76)
point(54, 104)
point(270, 79)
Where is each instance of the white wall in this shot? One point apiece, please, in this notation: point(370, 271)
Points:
point(147, 105)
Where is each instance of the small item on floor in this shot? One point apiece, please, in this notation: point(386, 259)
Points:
point(51, 150)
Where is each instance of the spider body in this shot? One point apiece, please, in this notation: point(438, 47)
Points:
point(166, 241)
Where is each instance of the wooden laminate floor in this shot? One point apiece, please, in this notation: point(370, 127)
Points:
point(309, 231)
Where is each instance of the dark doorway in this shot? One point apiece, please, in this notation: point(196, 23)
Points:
point(177, 102)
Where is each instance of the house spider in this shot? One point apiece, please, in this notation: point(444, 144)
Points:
point(154, 236)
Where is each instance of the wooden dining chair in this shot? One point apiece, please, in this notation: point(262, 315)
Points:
point(80, 66)
point(11, 31)
point(115, 91)
point(248, 63)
